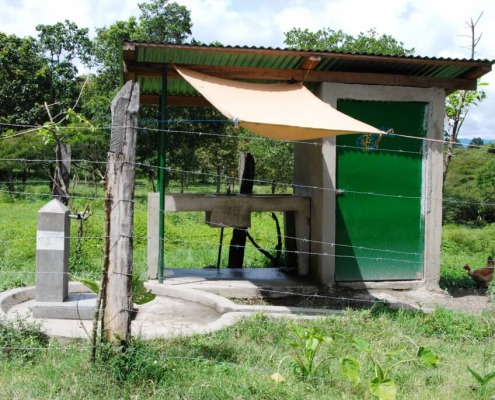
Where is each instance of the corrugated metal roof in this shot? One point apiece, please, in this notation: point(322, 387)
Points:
point(146, 62)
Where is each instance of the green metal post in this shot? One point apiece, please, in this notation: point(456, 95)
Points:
point(161, 176)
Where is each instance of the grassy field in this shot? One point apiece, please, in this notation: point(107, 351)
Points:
point(238, 362)
point(189, 242)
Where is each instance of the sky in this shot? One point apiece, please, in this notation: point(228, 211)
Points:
point(434, 28)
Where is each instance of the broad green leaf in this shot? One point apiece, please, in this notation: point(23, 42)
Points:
point(477, 376)
point(482, 380)
point(312, 343)
point(379, 372)
point(362, 345)
point(391, 354)
point(8, 132)
point(488, 377)
point(139, 293)
point(383, 389)
point(299, 331)
point(427, 357)
point(327, 339)
point(350, 367)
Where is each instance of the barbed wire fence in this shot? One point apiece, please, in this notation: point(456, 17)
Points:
point(200, 174)
point(198, 244)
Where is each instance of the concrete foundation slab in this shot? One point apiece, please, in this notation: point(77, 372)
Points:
point(77, 306)
point(240, 282)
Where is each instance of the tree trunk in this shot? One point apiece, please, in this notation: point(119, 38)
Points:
point(218, 179)
point(152, 179)
point(239, 235)
point(453, 138)
point(182, 182)
point(7, 176)
point(119, 206)
point(61, 176)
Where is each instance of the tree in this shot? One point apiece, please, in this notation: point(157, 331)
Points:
point(58, 131)
point(63, 45)
point(330, 40)
point(458, 104)
point(162, 21)
point(220, 154)
point(25, 79)
point(274, 162)
point(107, 48)
point(476, 142)
point(25, 146)
point(41, 77)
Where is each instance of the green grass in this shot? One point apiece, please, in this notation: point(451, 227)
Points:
point(464, 244)
point(462, 197)
point(236, 363)
point(189, 241)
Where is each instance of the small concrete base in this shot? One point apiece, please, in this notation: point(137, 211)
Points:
point(79, 306)
point(241, 283)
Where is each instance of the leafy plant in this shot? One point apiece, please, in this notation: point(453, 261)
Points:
point(139, 362)
point(381, 385)
point(306, 344)
point(482, 380)
point(140, 295)
point(19, 337)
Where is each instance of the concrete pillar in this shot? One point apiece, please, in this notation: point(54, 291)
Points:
point(52, 253)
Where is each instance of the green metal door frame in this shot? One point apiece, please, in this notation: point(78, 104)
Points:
point(380, 218)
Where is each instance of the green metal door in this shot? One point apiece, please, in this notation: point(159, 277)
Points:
point(379, 221)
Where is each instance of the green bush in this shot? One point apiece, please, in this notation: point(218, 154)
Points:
point(20, 338)
point(138, 363)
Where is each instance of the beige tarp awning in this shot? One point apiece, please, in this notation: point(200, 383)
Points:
point(278, 111)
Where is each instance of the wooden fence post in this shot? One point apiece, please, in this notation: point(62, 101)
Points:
point(119, 210)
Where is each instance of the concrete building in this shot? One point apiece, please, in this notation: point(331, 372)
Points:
point(375, 200)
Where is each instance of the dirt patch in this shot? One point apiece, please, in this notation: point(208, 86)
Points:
point(469, 300)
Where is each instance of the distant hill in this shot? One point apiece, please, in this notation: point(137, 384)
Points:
point(467, 141)
point(462, 198)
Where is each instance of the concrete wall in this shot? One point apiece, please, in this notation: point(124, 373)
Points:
point(315, 168)
point(312, 172)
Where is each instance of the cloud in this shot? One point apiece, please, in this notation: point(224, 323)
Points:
point(20, 17)
point(231, 25)
point(434, 28)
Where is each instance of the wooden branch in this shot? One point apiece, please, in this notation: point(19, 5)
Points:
point(259, 248)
